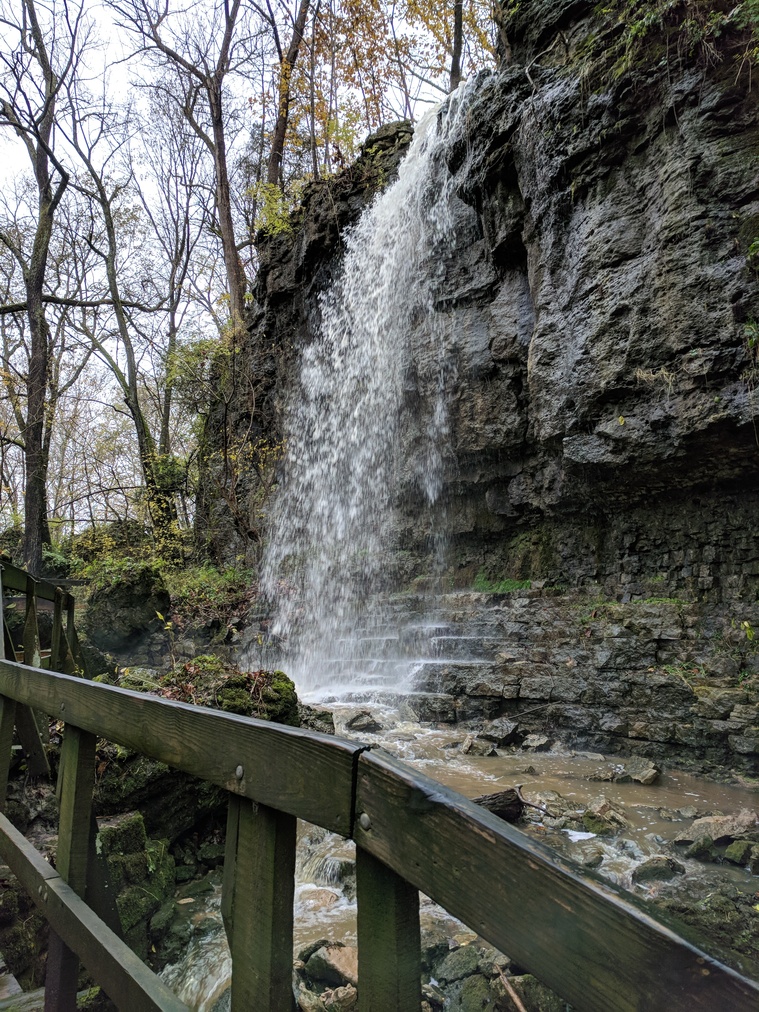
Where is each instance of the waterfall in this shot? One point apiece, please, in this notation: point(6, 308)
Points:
point(366, 419)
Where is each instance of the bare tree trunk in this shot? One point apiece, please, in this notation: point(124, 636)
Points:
point(35, 130)
point(164, 438)
point(283, 111)
point(312, 95)
point(36, 532)
point(232, 261)
point(458, 43)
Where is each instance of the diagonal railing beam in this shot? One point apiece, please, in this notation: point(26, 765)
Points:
point(122, 974)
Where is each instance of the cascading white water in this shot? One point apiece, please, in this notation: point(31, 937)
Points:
point(348, 451)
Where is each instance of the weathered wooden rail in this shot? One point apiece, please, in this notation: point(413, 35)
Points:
point(587, 941)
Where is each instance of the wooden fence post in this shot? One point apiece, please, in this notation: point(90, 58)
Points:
point(31, 636)
point(7, 715)
point(389, 946)
point(76, 780)
point(55, 639)
point(262, 915)
point(230, 864)
point(26, 723)
point(7, 722)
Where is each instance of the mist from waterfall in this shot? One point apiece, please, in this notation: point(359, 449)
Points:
point(366, 417)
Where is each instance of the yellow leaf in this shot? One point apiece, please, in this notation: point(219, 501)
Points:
point(621, 419)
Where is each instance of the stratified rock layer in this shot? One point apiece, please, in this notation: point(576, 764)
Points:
point(602, 298)
point(600, 303)
point(605, 408)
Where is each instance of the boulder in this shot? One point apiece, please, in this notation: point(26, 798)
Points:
point(123, 610)
point(739, 852)
point(334, 964)
point(659, 868)
point(603, 817)
point(505, 804)
point(433, 998)
point(702, 849)
point(363, 722)
point(308, 1001)
point(501, 731)
point(340, 999)
point(462, 961)
point(316, 718)
point(535, 997)
point(536, 743)
point(471, 994)
point(459, 963)
point(639, 771)
point(473, 745)
point(722, 829)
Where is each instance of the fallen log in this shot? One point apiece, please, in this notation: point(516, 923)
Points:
point(507, 805)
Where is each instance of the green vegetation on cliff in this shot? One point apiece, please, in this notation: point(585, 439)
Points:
point(629, 32)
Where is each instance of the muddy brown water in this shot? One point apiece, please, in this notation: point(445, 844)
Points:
point(324, 903)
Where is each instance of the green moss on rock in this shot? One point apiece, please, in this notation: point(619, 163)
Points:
point(536, 997)
point(470, 995)
point(595, 824)
point(139, 901)
point(234, 700)
point(208, 680)
point(123, 834)
point(23, 934)
point(738, 852)
point(461, 962)
point(281, 701)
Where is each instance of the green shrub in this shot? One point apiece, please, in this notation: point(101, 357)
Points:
point(203, 595)
point(123, 537)
point(110, 571)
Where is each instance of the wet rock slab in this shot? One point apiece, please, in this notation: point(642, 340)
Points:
point(635, 770)
point(722, 829)
point(336, 965)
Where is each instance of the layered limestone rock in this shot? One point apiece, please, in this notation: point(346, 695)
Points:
point(603, 298)
point(598, 308)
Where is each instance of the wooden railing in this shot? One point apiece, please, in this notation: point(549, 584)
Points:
point(61, 652)
point(590, 943)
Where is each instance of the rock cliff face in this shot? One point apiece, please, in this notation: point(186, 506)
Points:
point(603, 297)
point(603, 300)
point(605, 411)
point(244, 424)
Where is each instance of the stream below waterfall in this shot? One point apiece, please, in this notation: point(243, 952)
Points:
point(325, 890)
